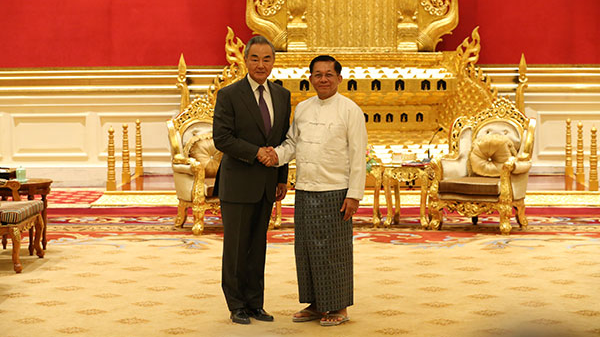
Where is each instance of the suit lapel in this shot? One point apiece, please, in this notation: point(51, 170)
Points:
point(250, 101)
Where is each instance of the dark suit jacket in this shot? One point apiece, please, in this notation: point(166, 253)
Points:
point(238, 132)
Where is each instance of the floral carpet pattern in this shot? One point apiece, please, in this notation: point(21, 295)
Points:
point(128, 272)
point(407, 283)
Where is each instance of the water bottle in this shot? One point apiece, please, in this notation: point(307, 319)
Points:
point(21, 177)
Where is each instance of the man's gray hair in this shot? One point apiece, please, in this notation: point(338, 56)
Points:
point(258, 39)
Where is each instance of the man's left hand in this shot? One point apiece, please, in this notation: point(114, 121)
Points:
point(281, 191)
point(350, 207)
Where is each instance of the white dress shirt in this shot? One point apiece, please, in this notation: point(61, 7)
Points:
point(328, 138)
point(266, 95)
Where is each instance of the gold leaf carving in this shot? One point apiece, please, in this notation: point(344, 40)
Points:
point(268, 7)
point(435, 7)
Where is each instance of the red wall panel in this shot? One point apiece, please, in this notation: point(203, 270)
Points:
point(83, 33)
point(547, 31)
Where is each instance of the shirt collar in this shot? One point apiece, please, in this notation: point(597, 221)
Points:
point(328, 99)
point(254, 85)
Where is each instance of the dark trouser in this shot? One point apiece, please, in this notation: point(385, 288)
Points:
point(244, 247)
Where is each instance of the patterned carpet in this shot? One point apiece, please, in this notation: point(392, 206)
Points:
point(124, 271)
point(407, 283)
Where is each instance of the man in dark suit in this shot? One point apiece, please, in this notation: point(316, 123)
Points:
point(250, 115)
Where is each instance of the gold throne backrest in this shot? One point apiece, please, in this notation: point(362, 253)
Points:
point(352, 25)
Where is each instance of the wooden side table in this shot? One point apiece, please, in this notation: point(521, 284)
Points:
point(393, 175)
point(31, 188)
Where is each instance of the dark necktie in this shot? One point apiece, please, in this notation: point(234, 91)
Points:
point(264, 109)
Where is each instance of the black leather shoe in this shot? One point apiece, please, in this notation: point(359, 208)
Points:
point(240, 316)
point(260, 314)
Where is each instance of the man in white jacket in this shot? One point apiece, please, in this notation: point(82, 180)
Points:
point(328, 139)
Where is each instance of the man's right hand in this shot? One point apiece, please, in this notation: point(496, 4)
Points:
point(267, 156)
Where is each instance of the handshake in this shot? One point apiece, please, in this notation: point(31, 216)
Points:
point(267, 156)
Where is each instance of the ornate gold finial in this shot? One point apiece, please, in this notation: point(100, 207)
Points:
point(139, 165)
point(202, 107)
point(126, 174)
point(520, 96)
point(407, 29)
point(182, 84)
point(111, 181)
point(593, 183)
point(296, 26)
point(568, 159)
point(468, 51)
point(579, 171)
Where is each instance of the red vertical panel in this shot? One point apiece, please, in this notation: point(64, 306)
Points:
point(547, 31)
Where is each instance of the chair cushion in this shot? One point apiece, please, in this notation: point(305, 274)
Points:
point(209, 186)
point(489, 153)
point(202, 148)
point(14, 212)
point(471, 186)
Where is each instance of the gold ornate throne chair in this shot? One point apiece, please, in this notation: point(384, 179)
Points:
point(487, 168)
point(195, 162)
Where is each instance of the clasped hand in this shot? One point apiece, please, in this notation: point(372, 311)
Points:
point(267, 156)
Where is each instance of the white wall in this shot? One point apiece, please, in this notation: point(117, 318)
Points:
point(55, 122)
